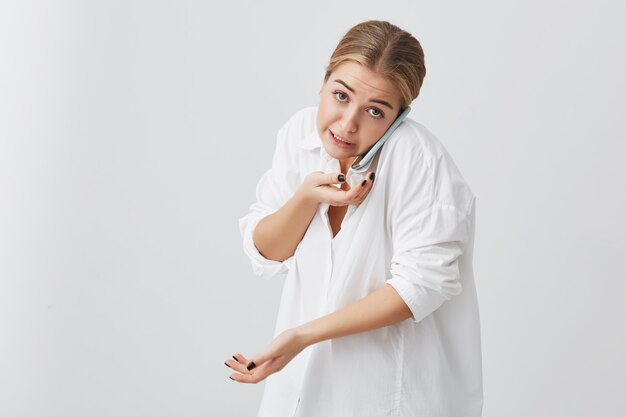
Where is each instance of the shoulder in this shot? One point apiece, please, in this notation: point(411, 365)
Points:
point(413, 140)
point(301, 122)
point(295, 130)
point(415, 155)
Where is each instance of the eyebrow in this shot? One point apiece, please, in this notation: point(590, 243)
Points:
point(374, 100)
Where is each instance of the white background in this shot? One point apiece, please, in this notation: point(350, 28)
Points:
point(132, 135)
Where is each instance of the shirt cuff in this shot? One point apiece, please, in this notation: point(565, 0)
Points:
point(261, 266)
point(426, 277)
point(420, 300)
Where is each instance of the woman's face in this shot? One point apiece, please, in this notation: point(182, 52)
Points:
point(356, 105)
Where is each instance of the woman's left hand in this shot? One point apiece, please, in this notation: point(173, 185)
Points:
point(278, 354)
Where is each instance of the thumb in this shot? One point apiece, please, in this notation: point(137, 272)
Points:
point(318, 178)
point(257, 360)
point(333, 178)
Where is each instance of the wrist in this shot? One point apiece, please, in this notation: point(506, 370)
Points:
point(306, 334)
point(304, 197)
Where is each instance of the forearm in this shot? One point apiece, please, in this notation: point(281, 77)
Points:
point(276, 236)
point(381, 308)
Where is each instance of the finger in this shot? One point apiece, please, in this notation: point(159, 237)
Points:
point(257, 374)
point(350, 196)
point(353, 195)
point(365, 187)
point(329, 178)
point(238, 363)
point(260, 359)
point(240, 358)
point(337, 196)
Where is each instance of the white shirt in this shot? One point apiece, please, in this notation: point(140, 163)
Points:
point(414, 231)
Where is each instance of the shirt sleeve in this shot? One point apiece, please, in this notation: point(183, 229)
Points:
point(429, 233)
point(273, 189)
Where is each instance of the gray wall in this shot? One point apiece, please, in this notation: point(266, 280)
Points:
point(132, 135)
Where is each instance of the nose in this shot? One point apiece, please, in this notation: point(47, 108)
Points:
point(349, 120)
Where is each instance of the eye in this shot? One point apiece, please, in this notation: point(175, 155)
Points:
point(342, 97)
point(377, 113)
point(339, 94)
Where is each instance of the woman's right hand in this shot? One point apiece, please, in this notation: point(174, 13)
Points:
point(317, 187)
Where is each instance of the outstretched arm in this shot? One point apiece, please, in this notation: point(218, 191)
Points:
point(380, 308)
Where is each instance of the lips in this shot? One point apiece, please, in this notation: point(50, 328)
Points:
point(340, 142)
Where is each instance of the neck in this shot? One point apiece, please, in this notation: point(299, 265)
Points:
point(345, 164)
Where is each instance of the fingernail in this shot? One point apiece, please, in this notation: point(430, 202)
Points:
point(341, 178)
point(227, 364)
point(231, 378)
point(363, 183)
point(251, 366)
point(235, 358)
point(372, 175)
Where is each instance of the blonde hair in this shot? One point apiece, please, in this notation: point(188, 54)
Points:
point(386, 49)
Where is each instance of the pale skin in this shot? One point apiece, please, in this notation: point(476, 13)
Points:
point(358, 105)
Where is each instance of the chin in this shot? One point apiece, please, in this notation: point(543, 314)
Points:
point(338, 154)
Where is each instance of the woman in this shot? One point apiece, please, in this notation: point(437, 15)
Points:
point(378, 315)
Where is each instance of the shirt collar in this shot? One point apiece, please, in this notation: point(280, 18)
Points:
point(313, 141)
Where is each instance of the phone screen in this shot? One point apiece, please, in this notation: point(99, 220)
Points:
point(361, 162)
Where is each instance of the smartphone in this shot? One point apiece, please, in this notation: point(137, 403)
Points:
point(361, 162)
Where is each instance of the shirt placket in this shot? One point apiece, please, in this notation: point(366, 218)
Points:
point(354, 178)
point(329, 164)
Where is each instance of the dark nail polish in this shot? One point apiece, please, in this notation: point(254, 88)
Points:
point(372, 175)
point(363, 183)
point(251, 366)
point(231, 378)
point(227, 364)
point(235, 358)
point(341, 178)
